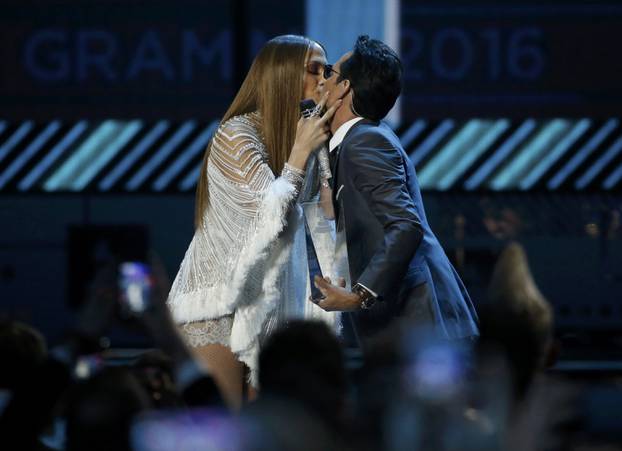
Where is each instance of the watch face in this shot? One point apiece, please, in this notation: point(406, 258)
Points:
point(368, 302)
point(367, 298)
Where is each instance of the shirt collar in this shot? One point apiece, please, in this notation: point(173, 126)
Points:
point(341, 133)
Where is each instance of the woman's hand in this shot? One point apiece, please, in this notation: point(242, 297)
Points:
point(311, 133)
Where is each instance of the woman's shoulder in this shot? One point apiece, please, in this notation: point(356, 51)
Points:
point(242, 127)
point(240, 134)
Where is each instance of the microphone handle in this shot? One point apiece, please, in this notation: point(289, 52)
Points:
point(308, 108)
point(324, 163)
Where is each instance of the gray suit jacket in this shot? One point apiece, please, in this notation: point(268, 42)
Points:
point(391, 248)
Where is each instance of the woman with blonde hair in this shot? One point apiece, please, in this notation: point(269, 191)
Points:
point(242, 273)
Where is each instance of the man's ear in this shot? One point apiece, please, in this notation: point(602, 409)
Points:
point(345, 88)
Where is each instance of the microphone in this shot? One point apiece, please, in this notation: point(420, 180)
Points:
point(308, 108)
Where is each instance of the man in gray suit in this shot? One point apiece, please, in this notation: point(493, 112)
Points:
point(397, 266)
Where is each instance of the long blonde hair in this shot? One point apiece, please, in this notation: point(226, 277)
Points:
point(273, 86)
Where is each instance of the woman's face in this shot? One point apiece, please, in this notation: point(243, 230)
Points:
point(314, 74)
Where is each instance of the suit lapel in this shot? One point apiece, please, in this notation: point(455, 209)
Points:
point(335, 158)
point(335, 169)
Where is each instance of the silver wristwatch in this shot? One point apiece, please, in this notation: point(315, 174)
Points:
point(368, 299)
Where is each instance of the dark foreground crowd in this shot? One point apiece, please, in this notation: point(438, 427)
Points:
point(408, 391)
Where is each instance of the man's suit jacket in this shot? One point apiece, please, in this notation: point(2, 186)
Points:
point(391, 248)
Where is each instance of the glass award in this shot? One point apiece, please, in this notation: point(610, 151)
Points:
point(326, 246)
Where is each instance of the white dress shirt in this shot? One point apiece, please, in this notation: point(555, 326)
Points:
point(341, 133)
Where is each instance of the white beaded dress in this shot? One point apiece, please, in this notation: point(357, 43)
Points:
point(245, 270)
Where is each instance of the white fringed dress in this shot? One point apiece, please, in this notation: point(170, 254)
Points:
point(245, 270)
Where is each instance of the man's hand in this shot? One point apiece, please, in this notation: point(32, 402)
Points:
point(336, 298)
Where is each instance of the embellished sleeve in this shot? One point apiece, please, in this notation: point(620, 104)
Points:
point(247, 211)
point(241, 176)
point(264, 202)
point(239, 155)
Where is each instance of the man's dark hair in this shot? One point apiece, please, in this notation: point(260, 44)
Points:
point(22, 349)
point(375, 74)
point(100, 411)
point(303, 362)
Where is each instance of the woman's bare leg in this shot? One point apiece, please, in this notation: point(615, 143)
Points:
point(227, 371)
point(251, 393)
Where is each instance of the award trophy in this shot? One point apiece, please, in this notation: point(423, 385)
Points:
point(325, 244)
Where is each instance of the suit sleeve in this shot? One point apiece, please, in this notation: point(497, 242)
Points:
point(378, 173)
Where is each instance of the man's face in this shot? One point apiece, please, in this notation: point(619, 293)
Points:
point(337, 89)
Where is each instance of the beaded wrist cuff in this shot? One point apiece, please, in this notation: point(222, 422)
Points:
point(294, 176)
